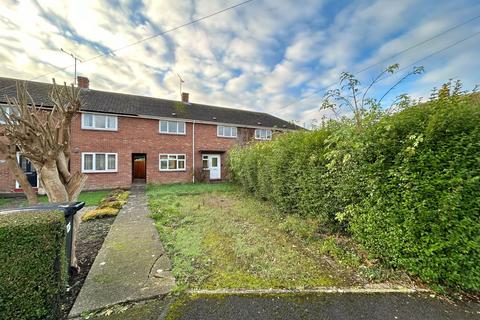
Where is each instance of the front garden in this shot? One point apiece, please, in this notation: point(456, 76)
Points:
point(217, 237)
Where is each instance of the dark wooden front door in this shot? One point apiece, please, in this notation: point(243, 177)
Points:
point(139, 166)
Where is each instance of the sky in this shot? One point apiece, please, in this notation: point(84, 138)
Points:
point(274, 56)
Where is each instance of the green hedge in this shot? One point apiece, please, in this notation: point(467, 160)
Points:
point(33, 268)
point(407, 187)
point(422, 209)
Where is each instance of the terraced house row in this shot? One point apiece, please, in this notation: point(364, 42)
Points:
point(118, 138)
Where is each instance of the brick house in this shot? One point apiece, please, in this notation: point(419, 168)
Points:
point(118, 138)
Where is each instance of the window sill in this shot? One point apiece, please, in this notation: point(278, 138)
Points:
point(176, 170)
point(96, 129)
point(173, 134)
point(103, 171)
point(227, 137)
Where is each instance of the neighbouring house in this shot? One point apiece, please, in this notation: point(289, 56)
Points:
point(118, 138)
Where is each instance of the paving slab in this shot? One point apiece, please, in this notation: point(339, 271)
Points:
point(131, 265)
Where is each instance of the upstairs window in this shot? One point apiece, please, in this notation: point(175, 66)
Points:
point(172, 127)
point(99, 162)
point(227, 132)
point(99, 122)
point(172, 162)
point(263, 134)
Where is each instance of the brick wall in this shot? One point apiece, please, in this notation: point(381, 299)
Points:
point(7, 181)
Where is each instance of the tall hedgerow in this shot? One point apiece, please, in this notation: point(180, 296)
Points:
point(406, 186)
point(421, 211)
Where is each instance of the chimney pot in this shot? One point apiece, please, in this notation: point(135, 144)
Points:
point(83, 82)
point(185, 97)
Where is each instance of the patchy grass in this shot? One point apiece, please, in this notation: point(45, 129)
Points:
point(5, 202)
point(219, 237)
point(91, 198)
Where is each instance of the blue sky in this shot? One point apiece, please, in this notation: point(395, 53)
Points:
point(266, 55)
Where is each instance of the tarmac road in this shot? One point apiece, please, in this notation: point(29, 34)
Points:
point(325, 306)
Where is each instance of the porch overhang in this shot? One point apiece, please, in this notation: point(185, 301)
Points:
point(209, 151)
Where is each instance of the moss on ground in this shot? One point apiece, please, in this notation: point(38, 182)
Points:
point(100, 213)
point(219, 237)
point(109, 206)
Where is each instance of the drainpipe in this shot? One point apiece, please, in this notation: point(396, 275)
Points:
point(193, 151)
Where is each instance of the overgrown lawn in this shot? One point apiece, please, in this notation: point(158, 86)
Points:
point(219, 237)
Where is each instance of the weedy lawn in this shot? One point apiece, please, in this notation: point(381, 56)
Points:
point(219, 237)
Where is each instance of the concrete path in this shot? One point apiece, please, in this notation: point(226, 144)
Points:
point(131, 265)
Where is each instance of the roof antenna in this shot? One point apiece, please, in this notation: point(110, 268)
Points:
point(181, 81)
point(75, 57)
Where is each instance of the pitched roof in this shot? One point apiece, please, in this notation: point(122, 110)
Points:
point(134, 105)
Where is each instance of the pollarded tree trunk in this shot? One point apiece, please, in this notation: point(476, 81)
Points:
point(51, 182)
point(42, 135)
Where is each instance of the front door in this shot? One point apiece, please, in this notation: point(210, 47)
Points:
point(139, 167)
point(29, 170)
point(214, 166)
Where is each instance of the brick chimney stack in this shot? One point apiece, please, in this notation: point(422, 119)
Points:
point(185, 97)
point(83, 82)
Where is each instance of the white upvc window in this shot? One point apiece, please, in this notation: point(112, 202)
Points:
point(7, 112)
point(172, 162)
point(226, 132)
point(263, 134)
point(97, 162)
point(93, 121)
point(172, 127)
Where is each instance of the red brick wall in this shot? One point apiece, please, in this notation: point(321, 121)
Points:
point(7, 181)
point(136, 135)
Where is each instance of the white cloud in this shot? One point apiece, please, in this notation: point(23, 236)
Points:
point(262, 56)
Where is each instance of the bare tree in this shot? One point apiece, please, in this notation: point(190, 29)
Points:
point(349, 95)
point(42, 135)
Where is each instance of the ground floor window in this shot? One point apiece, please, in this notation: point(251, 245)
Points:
point(99, 162)
point(172, 162)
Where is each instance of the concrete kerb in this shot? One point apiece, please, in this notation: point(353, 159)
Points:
point(305, 291)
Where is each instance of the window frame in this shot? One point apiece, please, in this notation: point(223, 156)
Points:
point(266, 136)
point(94, 170)
point(92, 127)
point(223, 132)
point(174, 133)
point(177, 160)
